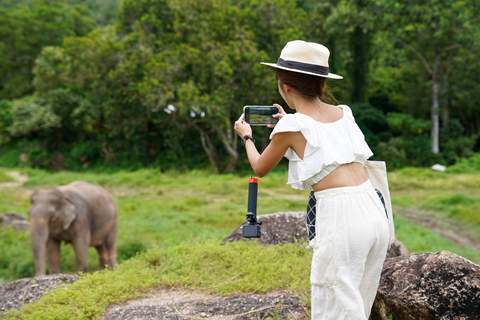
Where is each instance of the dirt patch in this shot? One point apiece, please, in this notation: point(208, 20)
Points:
point(173, 303)
point(17, 176)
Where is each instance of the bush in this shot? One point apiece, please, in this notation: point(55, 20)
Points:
point(460, 147)
point(371, 121)
point(5, 120)
point(17, 260)
point(466, 165)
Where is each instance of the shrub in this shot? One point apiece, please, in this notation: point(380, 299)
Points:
point(16, 256)
point(466, 165)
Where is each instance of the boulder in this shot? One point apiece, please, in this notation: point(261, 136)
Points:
point(16, 293)
point(282, 227)
point(422, 286)
point(14, 219)
point(277, 228)
point(397, 249)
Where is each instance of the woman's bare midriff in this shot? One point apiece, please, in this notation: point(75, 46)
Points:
point(347, 175)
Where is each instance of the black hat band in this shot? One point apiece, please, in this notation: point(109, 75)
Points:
point(307, 67)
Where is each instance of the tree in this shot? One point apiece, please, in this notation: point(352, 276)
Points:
point(354, 22)
point(205, 60)
point(433, 31)
point(25, 30)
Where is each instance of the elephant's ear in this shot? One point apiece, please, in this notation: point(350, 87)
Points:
point(70, 212)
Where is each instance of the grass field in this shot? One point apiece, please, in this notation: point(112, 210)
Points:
point(171, 226)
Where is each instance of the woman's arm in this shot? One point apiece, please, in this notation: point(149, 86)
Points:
point(271, 156)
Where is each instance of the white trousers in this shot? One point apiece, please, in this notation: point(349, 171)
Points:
point(348, 252)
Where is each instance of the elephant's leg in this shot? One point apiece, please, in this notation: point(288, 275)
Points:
point(111, 242)
point(102, 255)
point(53, 254)
point(80, 245)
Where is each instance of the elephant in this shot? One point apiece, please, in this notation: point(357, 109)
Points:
point(80, 213)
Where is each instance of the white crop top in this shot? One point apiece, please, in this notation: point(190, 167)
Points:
point(329, 145)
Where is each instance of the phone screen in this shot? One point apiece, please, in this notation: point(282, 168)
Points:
point(260, 115)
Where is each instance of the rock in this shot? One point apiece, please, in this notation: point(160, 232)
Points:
point(438, 167)
point(277, 228)
point(397, 249)
point(423, 286)
point(14, 219)
point(168, 303)
point(285, 227)
point(16, 293)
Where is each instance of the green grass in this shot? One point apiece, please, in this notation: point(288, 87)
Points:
point(461, 207)
point(4, 177)
point(453, 195)
point(156, 209)
point(419, 239)
point(209, 266)
point(171, 226)
point(446, 195)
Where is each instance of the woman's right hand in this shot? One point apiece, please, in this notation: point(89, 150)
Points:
point(281, 113)
point(242, 128)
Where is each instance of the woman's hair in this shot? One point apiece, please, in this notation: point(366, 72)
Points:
point(306, 85)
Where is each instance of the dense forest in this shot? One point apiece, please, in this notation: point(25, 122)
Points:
point(128, 84)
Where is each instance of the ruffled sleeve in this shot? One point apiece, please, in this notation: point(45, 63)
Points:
point(294, 123)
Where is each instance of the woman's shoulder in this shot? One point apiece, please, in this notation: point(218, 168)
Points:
point(294, 119)
point(345, 108)
point(291, 122)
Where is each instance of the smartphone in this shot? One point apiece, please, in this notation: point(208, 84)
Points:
point(260, 115)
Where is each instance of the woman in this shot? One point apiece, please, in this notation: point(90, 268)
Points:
point(327, 151)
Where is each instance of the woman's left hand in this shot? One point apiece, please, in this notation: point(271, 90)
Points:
point(242, 128)
point(281, 113)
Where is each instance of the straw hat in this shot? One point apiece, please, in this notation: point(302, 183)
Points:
point(304, 57)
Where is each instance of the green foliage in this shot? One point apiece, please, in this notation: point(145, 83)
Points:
point(4, 177)
point(458, 206)
point(406, 124)
point(25, 30)
point(5, 120)
point(419, 239)
point(166, 209)
point(371, 121)
point(454, 144)
point(466, 165)
point(206, 265)
point(426, 179)
point(17, 258)
point(30, 116)
point(103, 11)
point(392, 152)
point(410, 144)
point(233, 267)
point(80, 301)
point(200, 58)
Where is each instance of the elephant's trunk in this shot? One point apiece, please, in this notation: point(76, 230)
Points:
point(38, 241)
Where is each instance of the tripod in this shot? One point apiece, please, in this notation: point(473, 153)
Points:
point(252, 229)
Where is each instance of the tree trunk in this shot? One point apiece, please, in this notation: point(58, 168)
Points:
point(359, 44)
point(229, 139)
point(209, 148)
point(435, 105)
point(443, 92)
